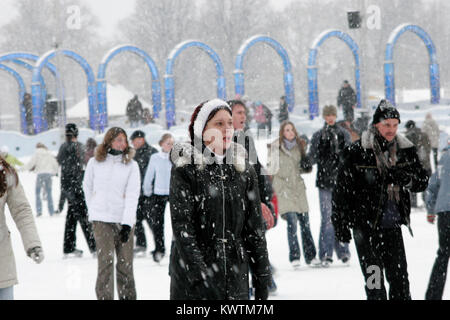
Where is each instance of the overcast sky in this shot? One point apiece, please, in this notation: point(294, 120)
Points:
point(108, 11)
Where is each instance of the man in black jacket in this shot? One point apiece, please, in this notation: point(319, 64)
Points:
point(143, 153)
point(71, 159)
point(326, 148)
point(372, 196)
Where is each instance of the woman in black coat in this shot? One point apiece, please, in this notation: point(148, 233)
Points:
point(218, 230)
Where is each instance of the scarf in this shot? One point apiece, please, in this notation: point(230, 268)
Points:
point(114, 152)
point(386, 160)
point(329, 135)
point(289, 144)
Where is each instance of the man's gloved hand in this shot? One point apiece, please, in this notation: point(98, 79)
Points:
point(261, 293)
point(306, 165)
point(267, 215)
point(37, 254)
point(398, 176)
point(431, 217)
point(124, 233)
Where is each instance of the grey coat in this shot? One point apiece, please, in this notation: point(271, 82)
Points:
point(431, 128)
point(22, 215)
point(437, 195)
point(287, 180)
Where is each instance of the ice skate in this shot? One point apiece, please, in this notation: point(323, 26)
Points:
point(74, 254)
point(140, 252)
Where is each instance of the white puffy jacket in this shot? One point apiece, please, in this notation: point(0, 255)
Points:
point(112, 190)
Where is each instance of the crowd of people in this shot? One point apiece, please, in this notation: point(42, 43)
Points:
point(223, 200)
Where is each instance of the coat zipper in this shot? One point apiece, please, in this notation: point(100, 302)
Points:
point(222, 177)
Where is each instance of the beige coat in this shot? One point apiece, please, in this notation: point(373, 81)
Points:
point(287, 180)
point(431, 128)
point(21, 212)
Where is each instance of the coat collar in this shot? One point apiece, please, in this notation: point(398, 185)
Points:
point(183, 154)
point(276, 144)
point(368, 136)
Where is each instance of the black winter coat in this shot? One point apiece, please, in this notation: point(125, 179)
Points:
point(217, 226)
point(326, 149)
point(71, 159)
point(346, 97)
point(361, 191)
point(142, 158)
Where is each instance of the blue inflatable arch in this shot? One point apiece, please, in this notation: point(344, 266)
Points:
point(239, 87)
point(22, 90)
point(29, 67)
point(313, 91)
point(15, 58)
point(101, 81)
point(36, 90)
point(169, 86)
point(389, 74)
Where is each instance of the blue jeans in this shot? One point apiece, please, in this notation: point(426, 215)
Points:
point(7, 293)
point(44, 180)
point(309, 249)
point(327, 241)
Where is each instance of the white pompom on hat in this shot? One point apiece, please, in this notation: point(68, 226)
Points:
point(205, 111)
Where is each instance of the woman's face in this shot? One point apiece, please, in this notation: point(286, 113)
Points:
point(119, 142)
point(167, 145)
point(288, 132)
point(219, 132)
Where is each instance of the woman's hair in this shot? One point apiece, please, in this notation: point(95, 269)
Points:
point(164, 137)
point(300, 142)
point(5, 169)
point(105, 146)
point(211, 115)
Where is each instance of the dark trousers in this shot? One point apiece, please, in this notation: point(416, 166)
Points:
point(309, 249)
point(327, 239)
point(157, 220)
point(349, 114)
point(439, 272)
point(62, 200)
point(142, 214)
point(77, 212)
point(382, 251)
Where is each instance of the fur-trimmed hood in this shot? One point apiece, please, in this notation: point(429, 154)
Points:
point(368, 136)
point(184, 153)
point(101, 153)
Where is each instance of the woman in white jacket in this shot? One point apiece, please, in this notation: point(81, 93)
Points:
point(156, 186)
point(111, 186)
point(45, 165)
